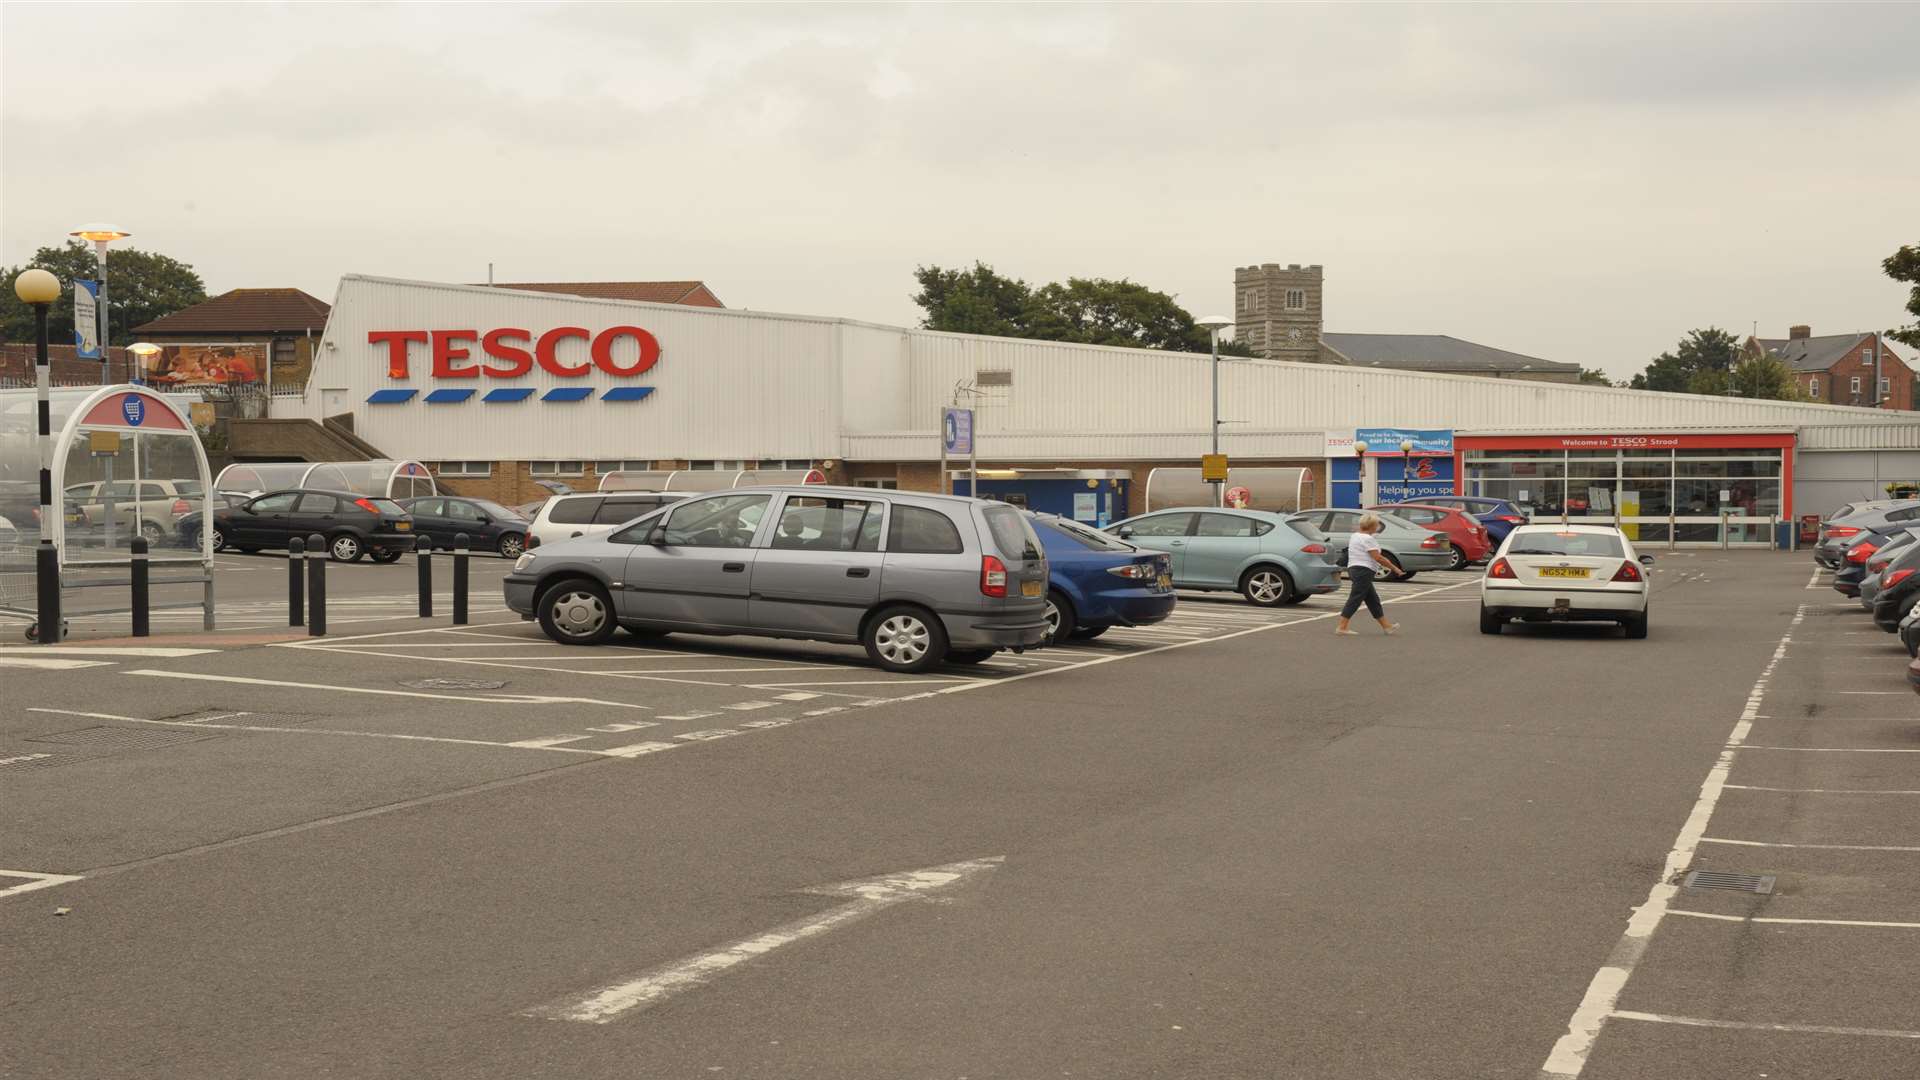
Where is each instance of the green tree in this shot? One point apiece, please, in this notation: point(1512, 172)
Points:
point(1089, 311)
point(1709, 350)
point(1594, 377)
point(1763, 376)
point(141, 287)
point(1904, 265)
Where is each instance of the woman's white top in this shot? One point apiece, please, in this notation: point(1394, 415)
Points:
point(1360, 549)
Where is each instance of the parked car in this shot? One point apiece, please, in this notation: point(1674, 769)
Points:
point(1554, 573)
point(1096, 581)
point(1264, 557)
point(20, 503)
point(1853, 563)
point(487, 525)
point(187, 528)
point(1497, 516)
point(1877, 563)
point(352, 525)
point(153, 506)
point(1414, 547)
point(1850, 522)
point(1899, 588)
point(917, 579)
point(1910, 632)
point(564, 517)
point(1465, 535)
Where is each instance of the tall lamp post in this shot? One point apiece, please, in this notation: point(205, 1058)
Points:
point(1406, 469)
point(1215, 324)
point(142, 353)
point(39, 289)
point(102, 234)
point(1360, 453)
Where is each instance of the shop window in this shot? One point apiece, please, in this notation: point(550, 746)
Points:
point(462, 468)
point(716, 466)
point(605, 467)
point(787, 463)
point(557, 468)
point(883, 483)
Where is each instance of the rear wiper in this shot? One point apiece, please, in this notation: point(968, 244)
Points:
point(1533, 551)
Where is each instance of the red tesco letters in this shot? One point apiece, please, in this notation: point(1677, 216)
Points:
point(510, 358)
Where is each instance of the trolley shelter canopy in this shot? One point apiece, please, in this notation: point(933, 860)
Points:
point(383, 477)
point(126, 462)
point(1277, 489)
point(705, 479)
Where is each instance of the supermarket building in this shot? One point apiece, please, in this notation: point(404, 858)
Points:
point(499, 389)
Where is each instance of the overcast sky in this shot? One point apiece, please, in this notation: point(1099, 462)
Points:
point(1577, 183)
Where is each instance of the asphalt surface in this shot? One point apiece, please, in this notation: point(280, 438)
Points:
point(1230, 846)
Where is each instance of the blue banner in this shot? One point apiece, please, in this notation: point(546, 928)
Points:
point(86, 319)
point(1385, 441)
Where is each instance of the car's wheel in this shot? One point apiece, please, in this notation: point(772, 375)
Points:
point(346, 547)
point(1266, 586)
point(219, 541)
point(905, 639)
point(1635, 626)
point(1060, 617)
point(971, 656)
point(1491, 623)
point(387, 555)
point(1088, 633)
point(1460, 561)
point(576, 612)
point(512, 544)
point(153, 533)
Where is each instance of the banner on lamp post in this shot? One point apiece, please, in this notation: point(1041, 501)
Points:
point(86, 319)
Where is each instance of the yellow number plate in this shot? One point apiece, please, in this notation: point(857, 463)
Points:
point(1031, 588)
point(1166, 581)
point(403, 526)
point(1565, 571)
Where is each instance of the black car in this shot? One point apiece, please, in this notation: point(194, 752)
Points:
point(187, 529)
point(1850, 572)
point(352, 525)
point(1899, 589)
point(488, 525)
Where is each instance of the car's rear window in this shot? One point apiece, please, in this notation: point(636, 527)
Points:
point(1089, 538)
point(188, 487)
point(1306, 529)
point(916, 530)
point(569, 511)
point(388, 506)
point(1547, 542)
point(617, 510)
point(1011, 534)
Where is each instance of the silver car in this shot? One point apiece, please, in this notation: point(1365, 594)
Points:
point(918, 579)
point(1260, 555)
point(1414, 547)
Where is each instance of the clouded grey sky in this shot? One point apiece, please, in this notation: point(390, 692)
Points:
point(1578, 183)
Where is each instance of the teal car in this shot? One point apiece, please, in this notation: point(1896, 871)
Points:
point(1264, 557)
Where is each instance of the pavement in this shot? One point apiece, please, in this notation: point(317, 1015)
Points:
point(1229, 846)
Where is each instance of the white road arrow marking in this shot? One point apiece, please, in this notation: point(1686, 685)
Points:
point(873, 894)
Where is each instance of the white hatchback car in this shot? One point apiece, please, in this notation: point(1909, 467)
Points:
point(1554, 573)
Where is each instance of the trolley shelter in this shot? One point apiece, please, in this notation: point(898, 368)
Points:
point(126, 463)
point(704, 479)
point(1280, 490)
point(384, 478)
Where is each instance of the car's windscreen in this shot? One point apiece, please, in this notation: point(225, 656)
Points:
point(1091, 539)
point(1604, 545)
point(1011, 534)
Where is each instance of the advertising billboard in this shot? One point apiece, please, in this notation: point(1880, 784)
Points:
point(223, 363)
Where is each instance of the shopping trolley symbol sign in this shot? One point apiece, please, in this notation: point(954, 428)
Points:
point(134, 408)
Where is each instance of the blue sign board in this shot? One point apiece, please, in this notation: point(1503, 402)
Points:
point(1385, 441)
point(86, 319)
point(134, 408)
point(956, 432)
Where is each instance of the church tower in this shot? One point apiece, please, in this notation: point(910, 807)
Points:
point(1277, 310)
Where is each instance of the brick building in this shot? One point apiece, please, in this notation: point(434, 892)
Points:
point(1838, 369)
point(287, 321)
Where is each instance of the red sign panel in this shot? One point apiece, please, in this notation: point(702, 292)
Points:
point(1621, 442)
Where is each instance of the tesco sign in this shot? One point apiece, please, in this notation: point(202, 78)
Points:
point(510, 352)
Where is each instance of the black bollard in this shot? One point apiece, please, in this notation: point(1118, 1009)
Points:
point(47, 585)
point(141, 583)
point(423, 558)
point(316, 586)
point(296, 598)
point(459, 579)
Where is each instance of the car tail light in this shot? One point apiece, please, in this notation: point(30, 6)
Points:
point(1628, 572)
point(533, 541)
point(1137, 571)
point(1896, 578)
point(1434, 540)
point(180, 507)
point(993, 576)
point(1500, 569)
point(367, 506)
point(1314, 549)
point(1510, 519)
point(1843, 531)
point(1860, 552)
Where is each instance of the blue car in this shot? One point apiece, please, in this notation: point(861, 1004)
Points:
point(1098, 582)
point(1498, 515)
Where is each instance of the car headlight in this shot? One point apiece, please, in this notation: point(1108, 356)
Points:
point(523, 562)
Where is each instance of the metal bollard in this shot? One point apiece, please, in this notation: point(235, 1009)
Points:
point(296, 598)
point(316, 586)
point(423, 559)
point(47, 584)
point(141, 581)
point(460, 541)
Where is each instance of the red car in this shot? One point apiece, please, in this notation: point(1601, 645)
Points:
point(1465, 535)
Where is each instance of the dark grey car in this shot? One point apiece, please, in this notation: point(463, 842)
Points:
point(917, 579)
point(1854, 520)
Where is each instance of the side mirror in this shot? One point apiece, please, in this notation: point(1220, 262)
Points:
point(1125, 534)
point(1646, 560)
point(485, 520)
point(657, 536)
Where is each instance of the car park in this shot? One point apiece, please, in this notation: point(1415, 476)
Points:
point(1497, 516)
point(487, 525)
point(1558, 573)
point(916, 579)
point(352, 525)
point(566, 516)
point(1899, 589)
point(1414, 547)
point(1267, 558)
point(1465, 535)
point(1854, 520)
point(1097, 581)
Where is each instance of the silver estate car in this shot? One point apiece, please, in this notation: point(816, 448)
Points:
point(1414, 547)
point(918, 579)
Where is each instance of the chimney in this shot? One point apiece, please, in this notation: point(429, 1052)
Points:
point(1799, 333)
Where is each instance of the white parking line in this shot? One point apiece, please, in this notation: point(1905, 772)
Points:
point(1836, 749)
point(1825, 791)
point(1821, 847)
point(51, 663)
point(1794, 922)
point(319, 731)
point(497, 699)
point(1812, 1029)
point(33, 881)
point(91, 650)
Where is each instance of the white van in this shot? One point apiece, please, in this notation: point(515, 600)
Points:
point(564, 517)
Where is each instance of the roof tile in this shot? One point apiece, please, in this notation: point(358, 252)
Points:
point(244, 311)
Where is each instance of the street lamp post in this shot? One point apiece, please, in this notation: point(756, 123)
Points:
point(39, 290)
point(1215, 324)
point(1406, 469)
point(102, 234)
point(142, 353)
point(1367, 498)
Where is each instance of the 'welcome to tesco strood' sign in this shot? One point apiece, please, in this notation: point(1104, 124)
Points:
point(510, 352)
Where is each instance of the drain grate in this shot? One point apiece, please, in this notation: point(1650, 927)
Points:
point(454, 684)
point(1711, 879)
point(116, 738)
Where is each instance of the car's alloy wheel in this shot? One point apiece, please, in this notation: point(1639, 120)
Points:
point(346, 548)
point(512, 544)
point(1060, 618)
point(153, 533)
point(578, 614)
point(1459, 559)
point(1266, 586)
point(219, 541)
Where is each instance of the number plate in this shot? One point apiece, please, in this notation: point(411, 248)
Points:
point(1165, 581)
point(1031, 588)
point(1565, 571)
point(403, 526)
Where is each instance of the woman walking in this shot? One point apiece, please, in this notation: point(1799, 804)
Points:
point(1365, 561)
